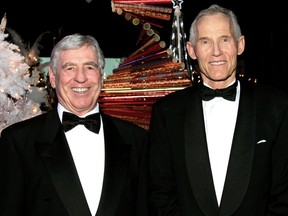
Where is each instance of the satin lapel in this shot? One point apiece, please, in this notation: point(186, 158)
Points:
point(117, 156)
point(241, 157)
point(60, 166)
point(197, 157)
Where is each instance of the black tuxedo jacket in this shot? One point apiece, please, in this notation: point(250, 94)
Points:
point(257, 176)
point(38, 176)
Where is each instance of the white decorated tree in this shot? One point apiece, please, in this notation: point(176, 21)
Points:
point(15, 84)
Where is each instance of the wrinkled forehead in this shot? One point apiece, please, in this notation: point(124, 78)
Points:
point(213, 24)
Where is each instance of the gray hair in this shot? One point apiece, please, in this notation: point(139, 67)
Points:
point(214, 9)
point(76, 41)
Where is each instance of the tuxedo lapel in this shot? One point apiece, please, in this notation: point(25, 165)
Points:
point(197, 157)
point(116, 167)
point(240, 162)
point(58, 160)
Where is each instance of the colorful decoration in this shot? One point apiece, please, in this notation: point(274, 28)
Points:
point(154, 69)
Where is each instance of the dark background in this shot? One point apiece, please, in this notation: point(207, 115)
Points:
point(263, 24)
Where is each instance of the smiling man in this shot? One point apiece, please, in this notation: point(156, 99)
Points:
point(219, 147)
point(74, 159)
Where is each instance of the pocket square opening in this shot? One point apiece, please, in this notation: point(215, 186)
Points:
point(261, 141)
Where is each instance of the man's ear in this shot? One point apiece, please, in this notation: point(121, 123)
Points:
point(190, 50)
point(241, 45)
point(51, 77)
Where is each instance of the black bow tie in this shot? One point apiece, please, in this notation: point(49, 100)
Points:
point(91, 122)
point(228, 93)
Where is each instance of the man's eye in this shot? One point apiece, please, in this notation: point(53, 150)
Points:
point(225, 39)
point(69, 68)
point(205, 42)
point(90, 68)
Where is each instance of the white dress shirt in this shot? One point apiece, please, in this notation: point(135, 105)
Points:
point(87, 149)
point(220, 119)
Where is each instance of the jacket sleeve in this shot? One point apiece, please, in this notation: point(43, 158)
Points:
point(162, 186)
point(11, 180)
